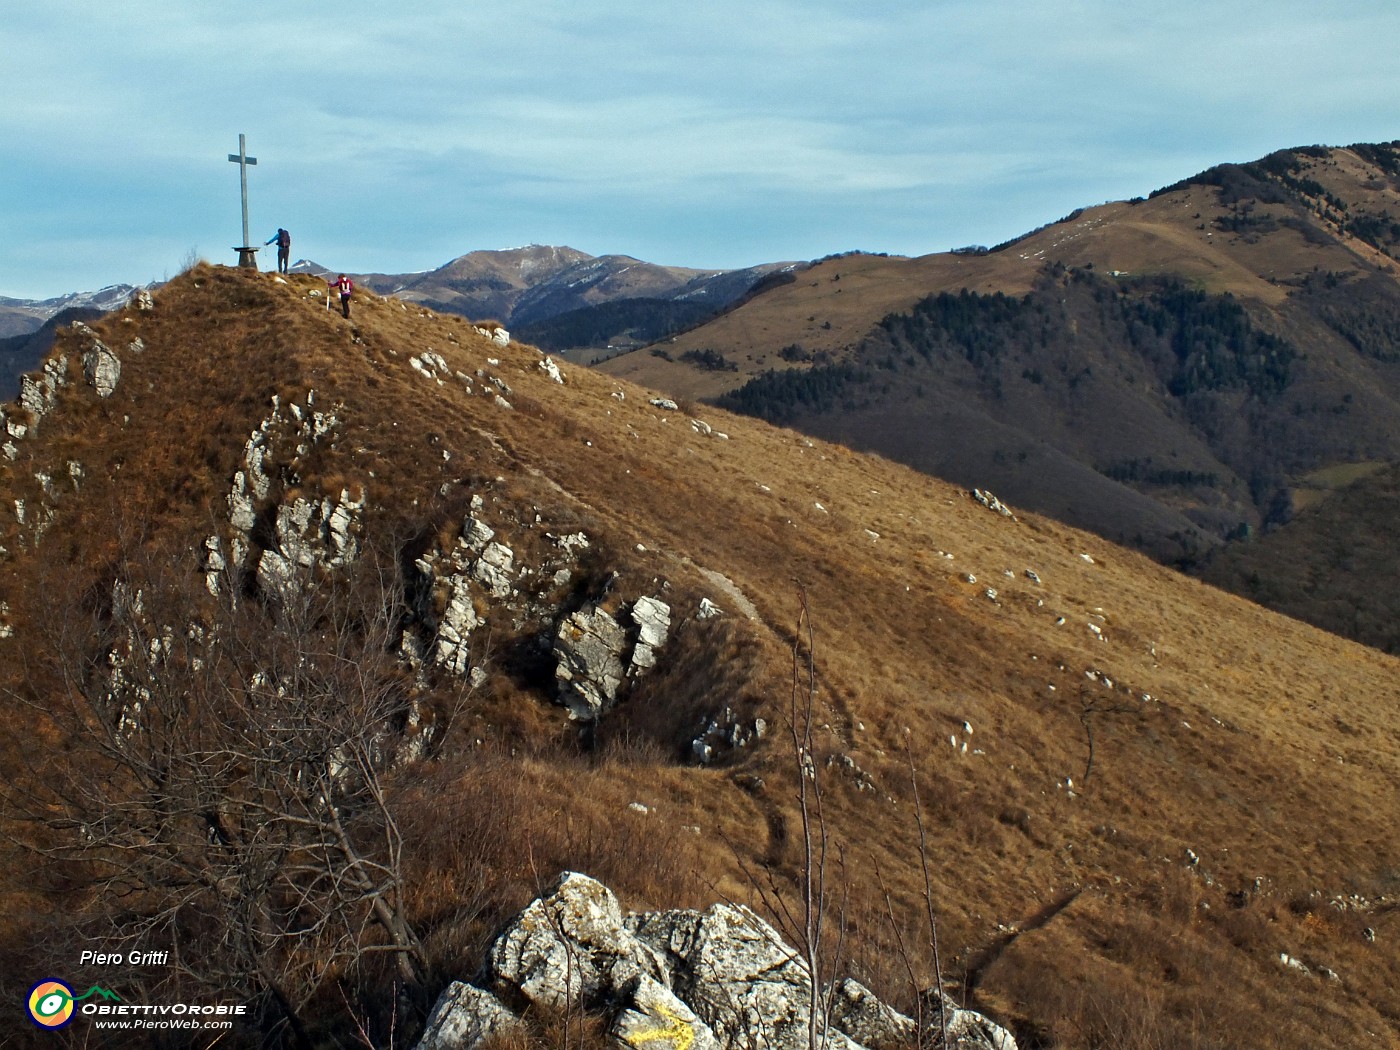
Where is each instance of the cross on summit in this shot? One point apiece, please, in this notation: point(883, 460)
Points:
point(247, 253)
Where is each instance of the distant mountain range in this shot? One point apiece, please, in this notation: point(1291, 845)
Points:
point(525, 287)
point(1173, 372)
point(555, 297)
point(24, 316)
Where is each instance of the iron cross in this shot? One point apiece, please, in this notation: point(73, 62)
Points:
point(242, 159)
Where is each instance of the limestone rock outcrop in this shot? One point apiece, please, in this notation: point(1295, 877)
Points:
point(307, 531)
point(589, 671)
point(712, 980)
point(570, 946)
point(310, 533)
point(101, 368)
point(549, 368)
point(465, 1016)
point(726, 731)
point(653, 619)
point(38, 393)
point(498, 336)
point(993, 504)
point(595, 654)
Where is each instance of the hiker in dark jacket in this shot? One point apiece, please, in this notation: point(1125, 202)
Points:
point(284, 248)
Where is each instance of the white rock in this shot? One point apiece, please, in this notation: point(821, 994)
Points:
point(465, 1018)
point(656, 1017)
point(653, 617)
point(588, 647)
point(569, 946)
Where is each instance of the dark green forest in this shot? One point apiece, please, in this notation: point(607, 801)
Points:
point(1195, 343)
point(636, 320)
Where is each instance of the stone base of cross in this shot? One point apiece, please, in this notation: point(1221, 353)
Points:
point(247, 257)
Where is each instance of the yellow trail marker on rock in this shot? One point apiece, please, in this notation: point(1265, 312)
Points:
point(680, 1033)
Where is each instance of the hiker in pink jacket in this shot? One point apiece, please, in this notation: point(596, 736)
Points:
point(345, 286)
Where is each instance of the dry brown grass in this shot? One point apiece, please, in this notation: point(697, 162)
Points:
point(1237, 757)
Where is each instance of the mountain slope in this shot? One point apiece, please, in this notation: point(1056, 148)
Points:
point(1206, 348)
point(1334, 565)
point(1139, 790)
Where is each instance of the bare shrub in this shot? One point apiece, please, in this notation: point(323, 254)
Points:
point(223, 785)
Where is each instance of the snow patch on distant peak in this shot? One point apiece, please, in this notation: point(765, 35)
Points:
point(109, 298)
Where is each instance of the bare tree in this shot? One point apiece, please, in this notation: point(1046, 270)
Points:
point(805, 921)
point(224, 790)
point(1089, 708)
point(816, 839)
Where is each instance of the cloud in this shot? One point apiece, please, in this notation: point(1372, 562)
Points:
point(894, 124)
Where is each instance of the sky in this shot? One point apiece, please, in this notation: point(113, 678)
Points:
point(394, 136)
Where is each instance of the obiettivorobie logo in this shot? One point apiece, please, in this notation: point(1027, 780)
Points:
point(51, 1002)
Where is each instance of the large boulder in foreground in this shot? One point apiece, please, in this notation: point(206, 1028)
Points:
point(569, 946)
point(676, 980)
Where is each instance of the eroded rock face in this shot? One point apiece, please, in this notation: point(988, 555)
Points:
point(738, 975)
point(595, 654)
point(101, 368)
point(459, 619)
point(653, 619)
point(309, 533)
point(511, 569)
point(712, 980)
point(589, 647)
point(856, 1011)
point(967, 1029)
point(655, 1014)
point(37, 394)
